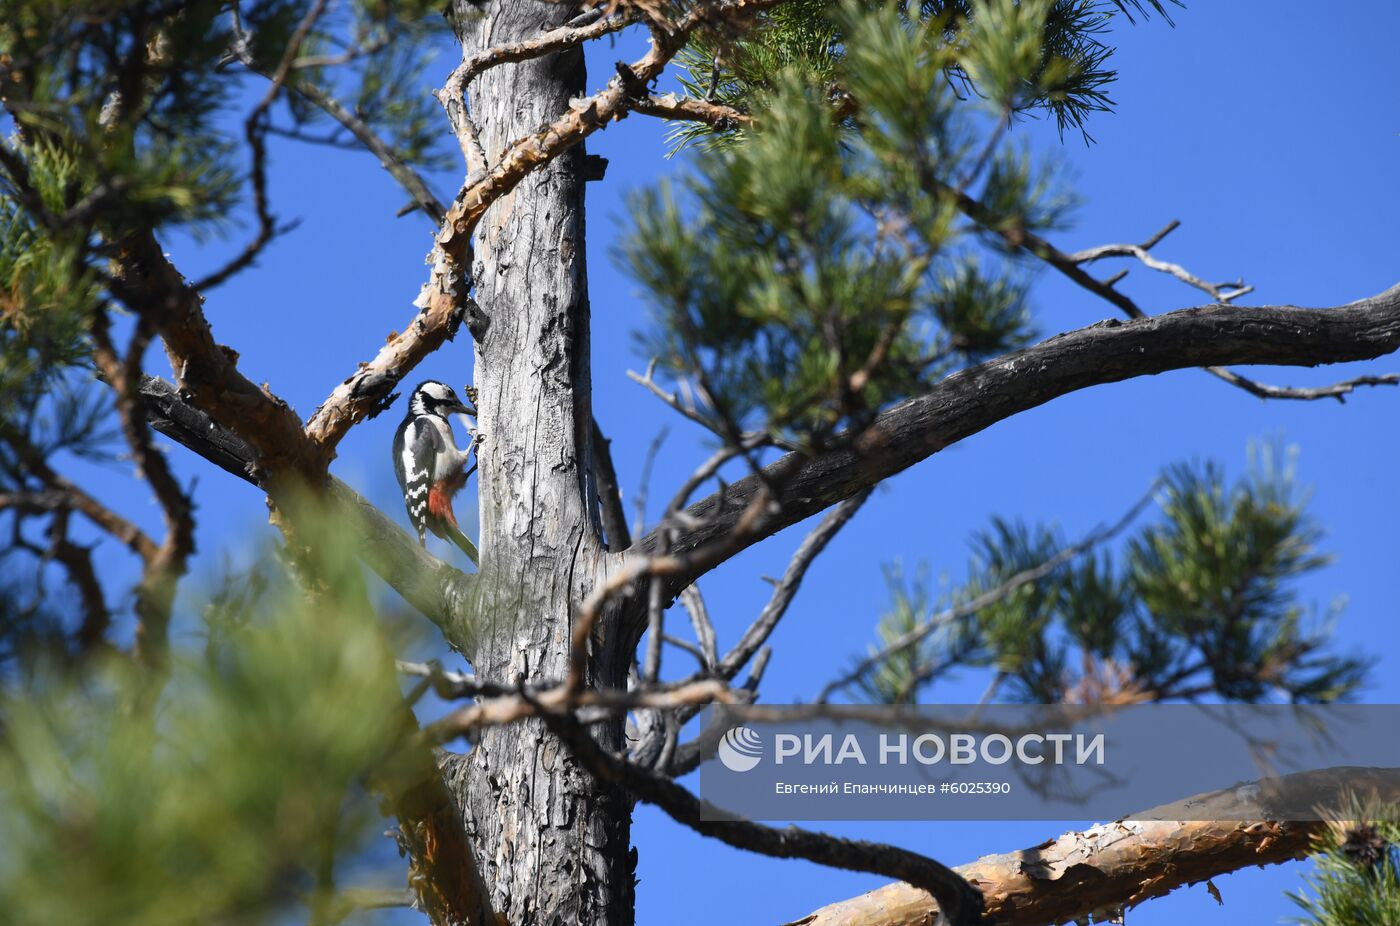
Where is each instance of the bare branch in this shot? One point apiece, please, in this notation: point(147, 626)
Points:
point(1114, 866)
point(442, 302)
point(754, 638)
point(686, 109)
point(585, 27)
point(588, 25)
point(976, 398)
point(686, 409)
point(639, 504)
point(206, 372)
point(688, 647)
point(610, 494)
point(694, 604)
point(959, 901)
point(76, 561)
point(155, 595)
point(659, 563)
point(453, 97)
point(760, 665)
point(597, 704)
point(1220, 292)
point(811, 547)
point(1338, 391)
point(255, 134)
point(1070, 266)
point(389, 159)
point(64, 493)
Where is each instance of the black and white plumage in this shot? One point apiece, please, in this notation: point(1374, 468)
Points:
point(428, 463)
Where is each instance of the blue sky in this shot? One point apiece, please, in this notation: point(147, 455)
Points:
point(1270, 130)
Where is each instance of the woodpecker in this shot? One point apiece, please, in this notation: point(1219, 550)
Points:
point(429, 465)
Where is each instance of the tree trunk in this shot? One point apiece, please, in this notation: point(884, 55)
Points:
point(552, 843)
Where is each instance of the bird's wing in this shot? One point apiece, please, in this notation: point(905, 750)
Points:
point(417, 458)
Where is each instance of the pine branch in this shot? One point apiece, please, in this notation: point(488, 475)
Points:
point(967, 609)
point(724, 118)
point(1116, 866)
point(976, 398)
point(436, 589)
point(958, 901)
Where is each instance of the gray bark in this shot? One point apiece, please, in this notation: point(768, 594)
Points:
point(552, 842)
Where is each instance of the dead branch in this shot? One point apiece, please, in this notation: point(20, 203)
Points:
point(441, 303)
point(694, 604)
point(812, 546)
point(977, 397)
point(588, 25)
point(1111, 867)
point(62, 492)
point(592, 705)
point(958, 901)
point(610, 494)
point(155, 594)
point(407, 177)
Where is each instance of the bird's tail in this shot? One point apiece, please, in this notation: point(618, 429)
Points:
point(453, 533)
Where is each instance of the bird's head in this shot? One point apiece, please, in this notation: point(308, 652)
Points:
point(435, 398)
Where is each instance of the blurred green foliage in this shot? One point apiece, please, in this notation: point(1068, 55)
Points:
point(1199, 604)
point(228, 800)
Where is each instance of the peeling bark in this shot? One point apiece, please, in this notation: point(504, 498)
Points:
point(1114, 865)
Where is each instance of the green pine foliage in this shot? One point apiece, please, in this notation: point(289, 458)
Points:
point(1060, 65)
point(232, 801)
point(384, 55)
point(816, 270)
point(132, 118)
point(136, 105)
point(1356, 881)
point(1201, 603)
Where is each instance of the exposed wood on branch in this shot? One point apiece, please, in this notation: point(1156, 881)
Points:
point(688, 109)
point(442, 303)
point(1111, 866)
point(586, 26)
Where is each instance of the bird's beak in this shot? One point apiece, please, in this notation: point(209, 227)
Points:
point(462, 408)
